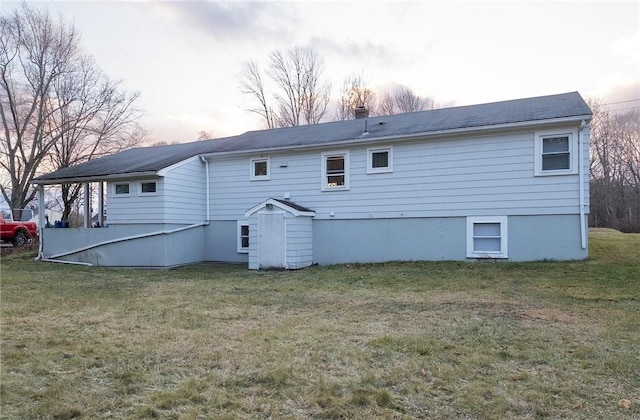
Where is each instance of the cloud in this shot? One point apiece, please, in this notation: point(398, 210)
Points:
point(237, 21)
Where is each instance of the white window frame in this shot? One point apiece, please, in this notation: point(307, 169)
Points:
point(240, 248)
point(472, 221)
point(324, 184)
point(252, 163)
point(141, 193)
point(386, 169)
point(115, 189)
point(538, 149)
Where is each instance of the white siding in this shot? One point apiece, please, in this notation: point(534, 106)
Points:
point(437, 178)
point(180, 198)
point(185, 193)
point(134, 208)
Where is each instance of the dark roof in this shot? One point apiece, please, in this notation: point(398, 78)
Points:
point(293, 205)
point(155, 158)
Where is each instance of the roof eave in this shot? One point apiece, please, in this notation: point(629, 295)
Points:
point(94, 178)
point(400, 137)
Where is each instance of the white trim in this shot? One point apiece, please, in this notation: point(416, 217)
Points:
point(323, 172)
point(115, 187)
point(252, 172)
point(388, 168)
point(537, 149)
point(281, 206)
point(240, 248)
point(472, 253)
point(146, 194)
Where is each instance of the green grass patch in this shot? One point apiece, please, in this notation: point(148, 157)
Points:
point(395, 340)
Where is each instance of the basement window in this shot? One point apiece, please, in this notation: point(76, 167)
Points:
point(243, 237)
point(487, 237)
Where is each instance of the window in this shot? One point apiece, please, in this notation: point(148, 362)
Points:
point(243, 237)
point(335, 171)
point(554, 154)
point(121, 189)
point(379, 160)
point(487, 237)
point(148, 188)
point(259, 169)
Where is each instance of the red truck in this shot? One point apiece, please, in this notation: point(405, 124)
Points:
point(18, 233)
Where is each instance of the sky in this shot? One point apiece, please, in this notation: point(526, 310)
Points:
point(185, 57)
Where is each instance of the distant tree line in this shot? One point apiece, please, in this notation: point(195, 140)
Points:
point(615, 168)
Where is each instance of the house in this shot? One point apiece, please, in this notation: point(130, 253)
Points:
point(503, 181)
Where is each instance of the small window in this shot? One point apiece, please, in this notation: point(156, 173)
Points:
point(335, 171)
point(379, 160)
point(121, 189)
point(148, 188)
point(487, 237)
point(554, 154)
point(259, 169)
point(243, 237)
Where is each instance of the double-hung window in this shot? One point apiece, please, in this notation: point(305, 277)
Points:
point(335, 171)
point(487, 237)
point(554, 154)
point(379, 160)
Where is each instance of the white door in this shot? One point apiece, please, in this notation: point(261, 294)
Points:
point(271, 240)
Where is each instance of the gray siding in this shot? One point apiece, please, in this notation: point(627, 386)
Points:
point(299, 250)
point(530, 238)
point(220, 242)
point(436, 178)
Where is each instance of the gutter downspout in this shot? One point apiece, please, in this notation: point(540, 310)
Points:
point(206, 171)
point(583, 229)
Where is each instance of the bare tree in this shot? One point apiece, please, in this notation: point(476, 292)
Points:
point(403, 100)
point(56, 107)
point(300, 96)
point(96, 118)
point(355, 94)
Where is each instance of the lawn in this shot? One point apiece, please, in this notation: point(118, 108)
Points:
point(397, 340)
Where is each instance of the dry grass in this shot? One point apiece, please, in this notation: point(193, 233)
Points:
point(399, 340)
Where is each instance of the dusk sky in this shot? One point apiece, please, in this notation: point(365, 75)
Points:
point(185, 56)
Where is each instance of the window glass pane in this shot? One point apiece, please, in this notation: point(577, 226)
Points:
point(335, 180)
point(486, 244)
point(245, 242)
point(555, 144)
point(486, 229)
point(122, 188)
point(555, 162)
point(335, 164)
point(244, 230)
point(148, 187)
point(380, 159)
point(260, 168)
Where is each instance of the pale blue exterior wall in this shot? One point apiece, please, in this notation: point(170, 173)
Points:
point(416, 212)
